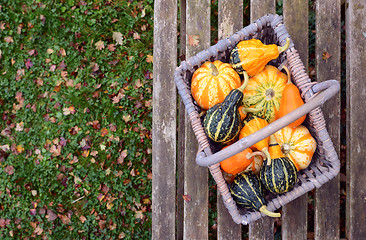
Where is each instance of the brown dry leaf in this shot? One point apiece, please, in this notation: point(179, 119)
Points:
point(104, 131)
point(193, 40)
point(9, 39)
point(187, 198)
point(149, 58)
point(138, 83)
point(121, 157)
point(9, 170)
point(111, 47)
point(49, 50)
point(139, 215)
point(99, 45)
point(82, 219)
point(136, 36)
point(127, 118)
point(64, 219)
point(326, 55)
point(51, 216)
point(38, 231)
point(117, 36)
point(55, 150)
point(62, 52)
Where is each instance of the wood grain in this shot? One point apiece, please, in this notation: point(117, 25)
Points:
point(294, 217)
point(195, 177)
point(328, 26)
point(356, 128)
point(164, 120)
point(229, 21)
point(262, 228)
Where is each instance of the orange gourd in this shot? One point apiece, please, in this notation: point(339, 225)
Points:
point(212, 82)
point(251, 125)
point(291, 99)
point(252, 55)
point(237, 163)
point(297, 144)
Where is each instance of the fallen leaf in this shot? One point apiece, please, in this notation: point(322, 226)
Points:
point(193, 40)
point(51, 216)
point(104, 131)
point(9, 170)
point(28, 63)
point(136, 36)
point(85, 153)
point(55, 150)
point(99, 45)
point(82, 218)
point(326, 55)
point(49, 50)
point(64, 219)
point(111, 47)
point(62, 52)
point(9, 39)
point(117, 36)
point(20, 148)
point(127, 118)
point(53, 68)
point(149, 58)
point(187, 198)
point(139, 215)
point(19, 127)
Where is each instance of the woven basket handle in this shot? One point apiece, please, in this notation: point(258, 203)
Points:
point(325, 90)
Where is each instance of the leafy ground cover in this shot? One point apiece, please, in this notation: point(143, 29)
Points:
point(75, 107)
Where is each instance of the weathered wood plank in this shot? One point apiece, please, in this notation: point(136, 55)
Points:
point(196, 177)
point(164, 113)
point(262, 228)
point(181, 129)
point(356, 128)
point(294, 214)
point(328, 23)
point(229, 21)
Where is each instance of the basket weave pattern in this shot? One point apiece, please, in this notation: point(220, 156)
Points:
point(325, 164)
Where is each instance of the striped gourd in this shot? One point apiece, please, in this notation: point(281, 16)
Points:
point(264, 90)
point(278, 175)
point(222, 122)
point(247, 192)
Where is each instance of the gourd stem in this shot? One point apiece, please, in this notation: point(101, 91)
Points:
point(264, 210)
point(214, 69)
point(246, 80)
point(257, 153)
point(265, 151)
point(288, 75)
point(286, 148)
point(251, 110)
point(284, 47)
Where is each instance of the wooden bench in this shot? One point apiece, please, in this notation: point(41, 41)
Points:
point(175, 173)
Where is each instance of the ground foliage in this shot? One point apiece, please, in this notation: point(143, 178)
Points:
point(75, 107)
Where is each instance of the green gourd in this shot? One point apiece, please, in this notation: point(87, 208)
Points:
point(279, 174)
point(222, 122)
point(247, 192)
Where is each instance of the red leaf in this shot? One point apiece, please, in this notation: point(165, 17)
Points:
point(9, 170)
point(28, 63)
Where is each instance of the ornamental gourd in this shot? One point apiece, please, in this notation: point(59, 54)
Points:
point(222, 121)
point(291, 100)
point(237, 163)
point(252, 55)
point(251, 125)
point(212, 82)
point(278, 175)
point(247, 192)
point(297, 144)
point(264, 90)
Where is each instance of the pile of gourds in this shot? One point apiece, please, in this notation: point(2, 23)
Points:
point(239, 98)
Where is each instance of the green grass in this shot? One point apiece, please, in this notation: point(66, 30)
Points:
point(75, 124)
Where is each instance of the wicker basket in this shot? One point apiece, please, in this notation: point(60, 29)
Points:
point(325, 164)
